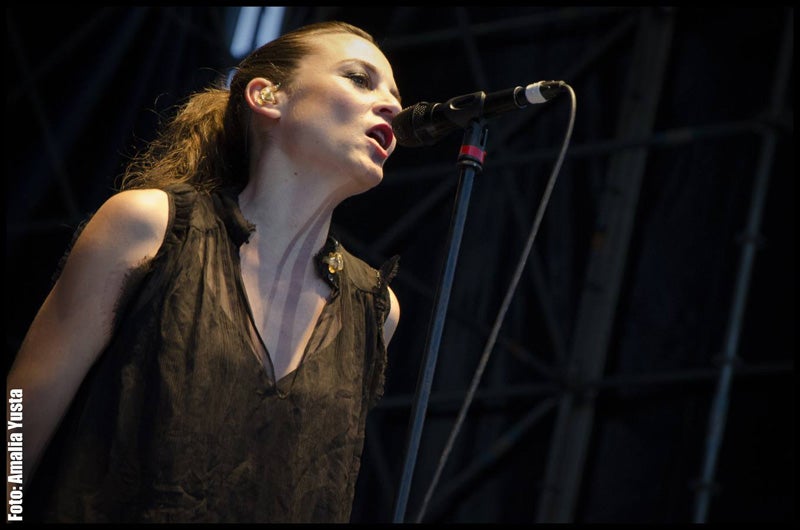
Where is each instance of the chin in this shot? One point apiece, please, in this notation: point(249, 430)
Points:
point(368, 180)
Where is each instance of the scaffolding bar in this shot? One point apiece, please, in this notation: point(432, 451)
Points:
point(719, 407)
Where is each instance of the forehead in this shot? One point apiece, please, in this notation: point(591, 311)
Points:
point(331, 49)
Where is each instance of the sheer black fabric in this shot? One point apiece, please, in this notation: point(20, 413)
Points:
point(179, 421)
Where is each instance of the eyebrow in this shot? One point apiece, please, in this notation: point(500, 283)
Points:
point(373, 70)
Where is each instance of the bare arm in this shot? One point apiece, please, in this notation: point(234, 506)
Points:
point(73, 325)
point(392, 319)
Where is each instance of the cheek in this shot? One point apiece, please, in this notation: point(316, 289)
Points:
point(322, 117)
point(324, 104)
point(340, 110)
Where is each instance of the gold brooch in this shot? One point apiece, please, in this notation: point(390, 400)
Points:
point(335, 262)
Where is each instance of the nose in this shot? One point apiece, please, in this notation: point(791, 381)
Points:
point(388, 105)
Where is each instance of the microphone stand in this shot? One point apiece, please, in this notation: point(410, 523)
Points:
point(470, 162)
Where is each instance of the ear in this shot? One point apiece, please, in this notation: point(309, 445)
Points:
point(252, 94)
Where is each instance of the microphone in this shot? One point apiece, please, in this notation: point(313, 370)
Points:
point(426, 123)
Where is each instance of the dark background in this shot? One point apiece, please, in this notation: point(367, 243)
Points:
point(607, 364)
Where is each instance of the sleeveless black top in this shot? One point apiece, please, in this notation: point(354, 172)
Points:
point(179, 421)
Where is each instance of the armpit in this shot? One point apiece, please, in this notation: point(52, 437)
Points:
point(130, 286)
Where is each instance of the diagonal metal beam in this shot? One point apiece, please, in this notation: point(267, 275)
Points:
point(559, 16)
point(570, 440)
point(59, 139)
point(485, 460)
point(405, 177)
point(719, 406)
point(59, 53)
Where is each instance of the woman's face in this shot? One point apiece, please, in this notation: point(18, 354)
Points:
point(336, 118)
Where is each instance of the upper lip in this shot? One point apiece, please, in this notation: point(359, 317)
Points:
point(383, 134)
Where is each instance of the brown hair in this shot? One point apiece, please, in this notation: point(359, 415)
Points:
point(204, 144)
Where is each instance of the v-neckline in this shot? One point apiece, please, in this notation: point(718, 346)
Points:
point(332, 278)
point(239, 228)
point(271, 376)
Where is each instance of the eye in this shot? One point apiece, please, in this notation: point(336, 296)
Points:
point(360, 79)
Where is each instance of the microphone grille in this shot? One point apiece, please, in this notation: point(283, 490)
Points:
point(405, 123)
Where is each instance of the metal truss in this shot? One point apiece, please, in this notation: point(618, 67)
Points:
point(567, 360)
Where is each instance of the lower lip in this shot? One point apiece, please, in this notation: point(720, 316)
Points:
point(381, 151)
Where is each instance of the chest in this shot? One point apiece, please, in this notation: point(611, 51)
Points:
point(286, 304)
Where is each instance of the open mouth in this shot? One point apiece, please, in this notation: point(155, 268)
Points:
point(383, 135)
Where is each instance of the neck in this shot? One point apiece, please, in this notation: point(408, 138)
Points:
point(292, 214)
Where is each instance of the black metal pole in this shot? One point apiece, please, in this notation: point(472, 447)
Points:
point(470, 161)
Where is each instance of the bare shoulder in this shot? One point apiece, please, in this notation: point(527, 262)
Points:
point(138, 210)
point(392, 319)
point(133, 222)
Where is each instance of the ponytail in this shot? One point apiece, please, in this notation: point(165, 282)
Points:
point(190, 148)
